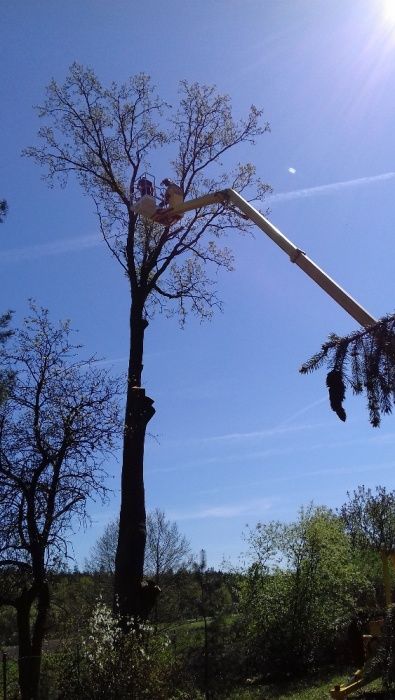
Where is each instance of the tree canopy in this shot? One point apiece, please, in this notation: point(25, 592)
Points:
point(369, 517)
point(108, 136)
point(302, 578)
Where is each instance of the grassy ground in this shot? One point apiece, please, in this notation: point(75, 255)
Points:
point(312, 689)
point(190, 634)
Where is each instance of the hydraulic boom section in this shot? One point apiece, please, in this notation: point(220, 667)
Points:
point(296, 255)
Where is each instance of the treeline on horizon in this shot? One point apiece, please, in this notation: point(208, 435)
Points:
point(301, 600)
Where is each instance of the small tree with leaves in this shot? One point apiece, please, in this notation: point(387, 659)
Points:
point(363, 361)
point(108, 137)
point(300, 591)
point(369, 518)
point(59, 420)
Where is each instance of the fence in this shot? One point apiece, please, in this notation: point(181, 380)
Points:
point(205, 664)
point(4, 669)
point(48, 685)
point(9, 679)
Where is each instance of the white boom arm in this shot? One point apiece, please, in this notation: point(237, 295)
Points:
point(296, 255)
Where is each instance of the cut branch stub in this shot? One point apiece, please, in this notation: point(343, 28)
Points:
point(142, 405)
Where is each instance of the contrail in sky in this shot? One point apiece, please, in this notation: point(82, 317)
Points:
point(72, 245)
point(33, 252)
point(266, 432)
point(253, 507)
point(332, 187)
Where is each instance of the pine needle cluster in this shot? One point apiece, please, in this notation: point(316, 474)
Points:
point(364, 361)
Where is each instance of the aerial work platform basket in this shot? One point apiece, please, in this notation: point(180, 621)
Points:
point(155, 204)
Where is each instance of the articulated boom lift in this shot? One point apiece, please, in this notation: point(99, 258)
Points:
point(171, 210)
point(177, 207)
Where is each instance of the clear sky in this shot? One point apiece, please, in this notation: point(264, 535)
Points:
point(239, 434)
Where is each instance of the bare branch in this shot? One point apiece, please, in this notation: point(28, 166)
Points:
point(60, 417)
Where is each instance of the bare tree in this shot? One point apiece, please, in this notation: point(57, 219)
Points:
point(102, 555)
point(59, 420)
point(166, 548)
point(107, 138)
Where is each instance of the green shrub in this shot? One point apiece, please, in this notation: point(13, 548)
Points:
point(113, 665)
point(300, 593)
point(383, 663)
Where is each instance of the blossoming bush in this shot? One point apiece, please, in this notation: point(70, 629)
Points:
point(115, 665)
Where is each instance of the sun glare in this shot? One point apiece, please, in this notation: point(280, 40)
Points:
point(389, 11)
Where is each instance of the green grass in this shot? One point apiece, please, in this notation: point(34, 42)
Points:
point(316, 688)
point(189, 634)
point(12, 680)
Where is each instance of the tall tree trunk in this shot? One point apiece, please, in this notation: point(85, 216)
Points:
point(30, 641)
point(129, 560)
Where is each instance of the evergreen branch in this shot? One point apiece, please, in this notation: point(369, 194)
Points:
point(364, 360)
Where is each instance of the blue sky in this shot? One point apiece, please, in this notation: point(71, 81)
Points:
point(238, 435)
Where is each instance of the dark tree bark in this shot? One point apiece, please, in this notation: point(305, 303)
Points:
point(28, 678)
point(129, 560)
point(30, 638)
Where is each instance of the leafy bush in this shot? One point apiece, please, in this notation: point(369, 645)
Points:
point(300, 593)
point(115, 665)
point(388, 646)
point(383, 662)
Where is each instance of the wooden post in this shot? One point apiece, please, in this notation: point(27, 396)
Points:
point(4, 675)
point(386, 577)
